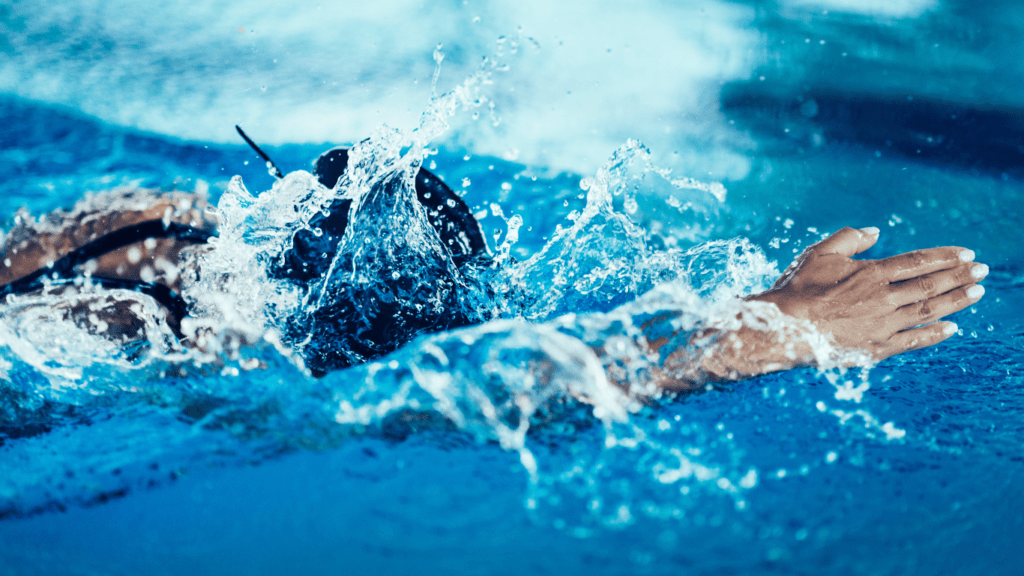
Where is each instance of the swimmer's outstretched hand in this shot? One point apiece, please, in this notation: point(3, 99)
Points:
point(883, 307)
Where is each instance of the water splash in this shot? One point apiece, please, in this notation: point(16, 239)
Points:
point(561, 340)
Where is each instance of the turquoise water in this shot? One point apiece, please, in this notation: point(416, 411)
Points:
point(115, 466)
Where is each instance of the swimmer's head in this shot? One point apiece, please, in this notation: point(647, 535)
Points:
point(340, 333)
point(329, 167)
point(459, 231)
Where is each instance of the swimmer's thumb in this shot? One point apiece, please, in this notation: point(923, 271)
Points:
point(848, 242)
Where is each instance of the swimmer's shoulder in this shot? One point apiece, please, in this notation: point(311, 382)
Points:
point(34, 243)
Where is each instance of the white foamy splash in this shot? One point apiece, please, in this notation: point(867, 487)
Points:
point(332, 72)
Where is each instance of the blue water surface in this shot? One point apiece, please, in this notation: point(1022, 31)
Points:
point(813, 115)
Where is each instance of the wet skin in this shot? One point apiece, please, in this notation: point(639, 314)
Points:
point(884, 307)
point(881, 307)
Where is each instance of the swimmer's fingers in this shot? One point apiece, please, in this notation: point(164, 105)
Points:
point(847, 242)
point(920, 262)
point(934, 284)
point(918, 338)
point(920, 313)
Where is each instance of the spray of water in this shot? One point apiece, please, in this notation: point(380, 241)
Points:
point(560, 337)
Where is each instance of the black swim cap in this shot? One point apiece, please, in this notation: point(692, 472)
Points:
point(338, 332)
point(447, 213)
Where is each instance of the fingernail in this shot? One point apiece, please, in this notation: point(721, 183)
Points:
point(870, 231)
point(967, 255)
point(975, 292)
point(979, 271)
point(950, 329)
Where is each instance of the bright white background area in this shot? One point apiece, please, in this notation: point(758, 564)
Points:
point(586, 76)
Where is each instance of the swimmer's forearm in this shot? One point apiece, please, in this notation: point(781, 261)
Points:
point(731, 356)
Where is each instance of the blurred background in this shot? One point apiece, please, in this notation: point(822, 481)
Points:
point(580, 79)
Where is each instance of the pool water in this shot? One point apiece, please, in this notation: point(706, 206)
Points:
point(780, 121)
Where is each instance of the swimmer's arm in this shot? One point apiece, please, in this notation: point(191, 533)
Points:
point(30, 247)
point(880, 307)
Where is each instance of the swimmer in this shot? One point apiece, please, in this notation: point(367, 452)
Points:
point(879, 307)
